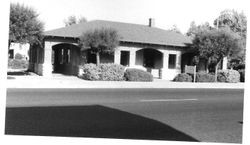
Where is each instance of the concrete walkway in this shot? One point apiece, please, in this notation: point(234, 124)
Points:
point(61, 81)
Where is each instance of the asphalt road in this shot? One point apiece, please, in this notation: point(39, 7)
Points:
point(205, 115)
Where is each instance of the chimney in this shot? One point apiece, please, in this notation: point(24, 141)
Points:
point(151, 22)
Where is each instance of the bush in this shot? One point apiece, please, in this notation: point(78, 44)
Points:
point(18, 56)
point(133, 74)
point(204, 77)
point(229, 76)
point(111, 72)
point(90, 72)
point(17, 64)
point(242, 75)
point(102, 72)
point(183, 77)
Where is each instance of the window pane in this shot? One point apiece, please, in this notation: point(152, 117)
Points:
point(68, 56)
point(124, 58)
point(172, 61)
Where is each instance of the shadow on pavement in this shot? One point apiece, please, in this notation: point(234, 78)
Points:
point(87, 121)
point(18, 73)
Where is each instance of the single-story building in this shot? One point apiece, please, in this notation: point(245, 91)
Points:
point(162, 53)
point(18, 48)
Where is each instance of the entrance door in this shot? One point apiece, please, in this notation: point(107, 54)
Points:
point(149, 58)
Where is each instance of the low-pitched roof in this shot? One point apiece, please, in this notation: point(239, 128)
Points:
point(129, 33)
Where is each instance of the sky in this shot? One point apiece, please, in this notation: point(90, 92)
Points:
point(165, 12)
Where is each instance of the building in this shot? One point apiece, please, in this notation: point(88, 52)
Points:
point(18, 48)
point(162, 53)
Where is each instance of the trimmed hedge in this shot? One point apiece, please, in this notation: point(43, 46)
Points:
point(229, 76)
point(19, 56)
point(133, 74)
point(17, 64)
point(183, 77)
point(102, 72)
point(90, 72)
point(111, 72)
point(242, 75)
point(204, 77)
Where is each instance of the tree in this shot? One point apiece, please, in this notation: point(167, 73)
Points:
point(175, 29)
point(215, 44)
point(237, 22)
point(103, 40)
point(194, 29)
point(24, 25)
point(73, 20)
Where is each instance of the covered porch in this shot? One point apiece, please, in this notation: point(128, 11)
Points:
point(162, 63)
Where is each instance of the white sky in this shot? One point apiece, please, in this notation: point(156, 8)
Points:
point(165, 12)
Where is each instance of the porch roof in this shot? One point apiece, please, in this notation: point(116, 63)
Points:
point(134, 33)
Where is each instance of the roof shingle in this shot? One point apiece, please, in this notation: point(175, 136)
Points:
point(127, 32)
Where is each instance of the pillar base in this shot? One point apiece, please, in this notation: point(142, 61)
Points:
point(44, 70)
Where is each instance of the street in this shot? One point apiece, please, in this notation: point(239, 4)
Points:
point(204, 115)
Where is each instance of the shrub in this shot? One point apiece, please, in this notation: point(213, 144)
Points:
point(18, 56)
point(204, 77)
point(229, 76)
point(102, 72)
point(242, 75)
point(111, 72)
point(90, 72)
point(133, 74)
point(183, 77)
point(17, 64)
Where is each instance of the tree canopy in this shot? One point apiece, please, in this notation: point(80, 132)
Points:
point(73, 20)
point(174, 28)
point(24, 25)
point(103, 40)
point(236, 22)
point(215, 44)
point(194, 29)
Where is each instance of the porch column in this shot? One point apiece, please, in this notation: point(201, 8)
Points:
point(224, 63)
point(165, 59)
point(165, 55)
point(178, 60)
point(117, 56)
point(132, 55)
point(47, 63)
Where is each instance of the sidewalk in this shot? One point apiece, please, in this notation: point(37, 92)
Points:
point(60, 81)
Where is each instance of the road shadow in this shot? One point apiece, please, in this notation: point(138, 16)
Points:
point(19, 73)
point(87, 121)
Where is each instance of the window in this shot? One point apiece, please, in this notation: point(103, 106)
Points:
point(172, 61)
point(65, 56)
point(124, 58)
point(68, 56)
point(61, 56)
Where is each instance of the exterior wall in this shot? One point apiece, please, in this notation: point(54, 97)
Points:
point(161, 66)
point(167, 73)
point(41, 57)
point(107, 58)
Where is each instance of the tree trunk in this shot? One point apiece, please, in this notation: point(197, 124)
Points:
point(216, 71)
point(97, 58)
